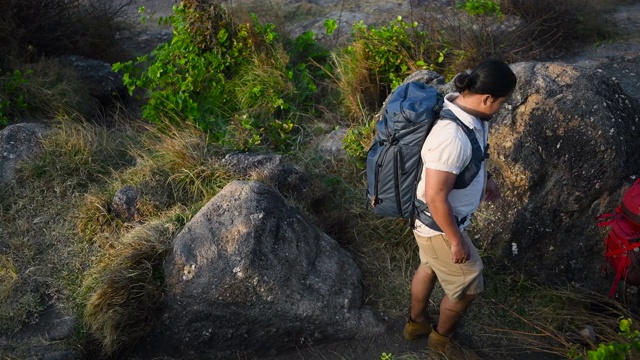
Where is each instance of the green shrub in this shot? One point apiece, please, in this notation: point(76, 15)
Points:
point(185, 78)
point(229, 78)
point(378, 60)
point(480, 7)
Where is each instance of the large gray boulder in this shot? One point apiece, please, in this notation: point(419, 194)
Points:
point(563, 150)
point(249, 273)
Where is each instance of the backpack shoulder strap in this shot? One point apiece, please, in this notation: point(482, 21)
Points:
point(474, 165)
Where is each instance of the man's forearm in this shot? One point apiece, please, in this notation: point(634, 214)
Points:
point(442, 213)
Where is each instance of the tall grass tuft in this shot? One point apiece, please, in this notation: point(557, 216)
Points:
point(79, 154)
point(44, 89)
point(179, 164)
point(176, 170)
point(380, 57)
point(359, 96)
point(125, 286)
point(8, 276)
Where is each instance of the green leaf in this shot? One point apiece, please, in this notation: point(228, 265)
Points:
point(330, 26)
point(625, 325)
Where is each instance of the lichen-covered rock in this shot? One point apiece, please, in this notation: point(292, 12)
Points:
point(270, 169)
point(17, 143)
point(563, 150)
point(249, 273)
point(125, 202)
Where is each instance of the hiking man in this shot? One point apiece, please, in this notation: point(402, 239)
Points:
point(446, 252)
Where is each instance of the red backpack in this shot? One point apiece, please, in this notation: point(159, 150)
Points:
point(622, 245)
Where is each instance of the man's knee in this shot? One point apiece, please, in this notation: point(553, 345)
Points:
point(459, 304)
point(426, 268)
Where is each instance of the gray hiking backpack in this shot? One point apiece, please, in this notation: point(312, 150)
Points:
point(394, 163)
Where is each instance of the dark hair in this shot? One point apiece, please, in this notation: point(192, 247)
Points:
point(491, 77)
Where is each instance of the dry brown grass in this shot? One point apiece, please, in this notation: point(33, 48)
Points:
point(360, 96)
point(517, 315)
point(42, 258)
point(8, 276)
point(176, 172)
point(56, 227)
point(554, 27)
point(185, 161)
point(125, 285)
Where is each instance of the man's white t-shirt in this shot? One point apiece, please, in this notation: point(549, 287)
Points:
point(447, 148)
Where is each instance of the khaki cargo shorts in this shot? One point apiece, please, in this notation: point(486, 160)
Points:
point(456, 280)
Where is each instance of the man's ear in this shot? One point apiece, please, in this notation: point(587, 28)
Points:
point(487, 100)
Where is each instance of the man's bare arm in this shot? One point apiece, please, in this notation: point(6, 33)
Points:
point(438, 186)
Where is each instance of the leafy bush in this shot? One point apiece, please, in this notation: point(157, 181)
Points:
point(186, 77)
point(229, 79)
point(378, 60)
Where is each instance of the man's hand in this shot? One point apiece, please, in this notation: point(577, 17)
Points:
point(459, 252)
point(491, 191)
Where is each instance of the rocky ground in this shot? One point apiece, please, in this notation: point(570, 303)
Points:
point(619, 59)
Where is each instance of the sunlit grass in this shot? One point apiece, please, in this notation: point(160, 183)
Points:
point(124, 287)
